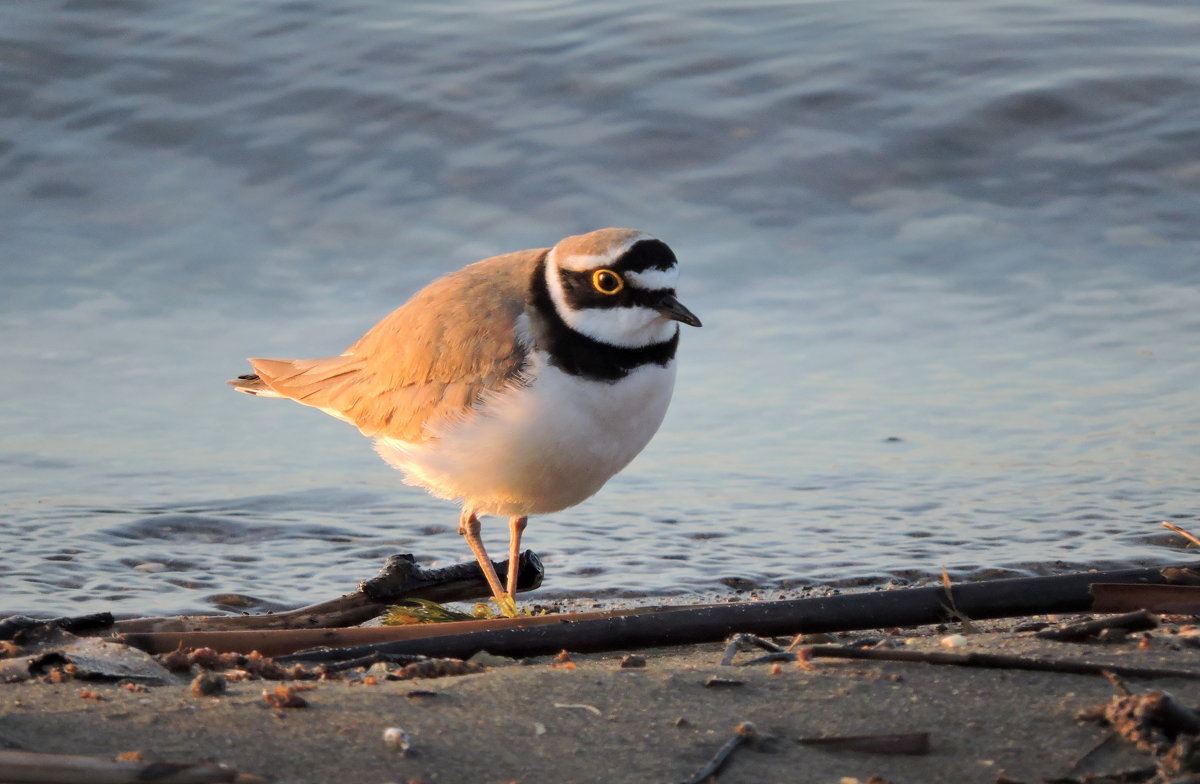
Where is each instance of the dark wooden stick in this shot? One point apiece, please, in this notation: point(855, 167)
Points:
point(1129, 622)
point(742, 733)
point(910, 743)
point(989, 660)
point(400, 579)
point(875, 610)
point(1171, 599)
point(28, 766)
point(278, 642)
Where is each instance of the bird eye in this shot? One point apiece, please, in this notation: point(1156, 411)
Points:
point(607, 281)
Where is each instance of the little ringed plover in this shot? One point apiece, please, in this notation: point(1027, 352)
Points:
point(517, 385)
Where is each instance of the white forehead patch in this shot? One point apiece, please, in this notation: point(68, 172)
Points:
point(654, 279)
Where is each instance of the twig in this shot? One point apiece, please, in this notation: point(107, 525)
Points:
point(1182, 532)
point(1133, 776)
point(908, 743)
point(1117, 683)
point(1181, 575)
point(579, 706)
point(374, 658)
point(1095, 749)
point(989, 660)
point(953, 610)
point(742, 733)
point(31, 767)
point(1129, 622)
point(745, 642)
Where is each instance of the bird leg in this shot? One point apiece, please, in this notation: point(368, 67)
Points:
point(468, 526)
point(515, 526)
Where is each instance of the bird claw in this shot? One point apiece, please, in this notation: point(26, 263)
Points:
point(507, 605)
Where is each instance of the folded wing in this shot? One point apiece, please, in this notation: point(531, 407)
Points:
point(429, 360)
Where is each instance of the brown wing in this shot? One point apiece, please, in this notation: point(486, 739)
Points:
point(429, 359)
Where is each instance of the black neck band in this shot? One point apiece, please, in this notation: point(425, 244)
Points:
point(579, 355)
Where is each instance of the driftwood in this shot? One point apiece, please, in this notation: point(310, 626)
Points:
point(1154, 722)
point(1166, 599)
point(75, 624)
point(277, 642)
point(401, 578)
point(29, 767)
point(881, 609)
point(1075, 632)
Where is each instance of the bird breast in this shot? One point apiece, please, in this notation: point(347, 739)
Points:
point(540, 447)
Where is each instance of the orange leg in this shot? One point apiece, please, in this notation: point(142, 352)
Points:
point(468, 526)
point(515, 526)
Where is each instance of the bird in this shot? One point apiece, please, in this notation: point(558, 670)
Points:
point(516, 386)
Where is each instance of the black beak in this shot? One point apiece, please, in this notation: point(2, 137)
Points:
point(673, 309)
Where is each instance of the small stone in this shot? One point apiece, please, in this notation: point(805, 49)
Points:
point(1190, 638)
point(954, 641)
point(630, 660)
point(398, 740)
point(284, 697)
point(416, 694)
point(817, 639)
point(208, 684)
point(717, 680)
point(490, 659)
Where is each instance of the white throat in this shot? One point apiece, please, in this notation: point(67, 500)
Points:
point(624, 327)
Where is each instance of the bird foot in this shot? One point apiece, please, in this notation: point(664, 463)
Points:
point(507, 605)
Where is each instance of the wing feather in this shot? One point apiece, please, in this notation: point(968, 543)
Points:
point(430, 359)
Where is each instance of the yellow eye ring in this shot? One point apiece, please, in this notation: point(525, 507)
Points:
point(607, 282)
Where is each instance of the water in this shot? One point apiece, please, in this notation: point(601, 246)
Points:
point(945, 253)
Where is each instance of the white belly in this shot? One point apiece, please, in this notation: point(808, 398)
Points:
point(540, 448)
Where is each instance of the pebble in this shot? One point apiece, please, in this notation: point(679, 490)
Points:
point(398, 740)
point(954, 641)
point(208, 684)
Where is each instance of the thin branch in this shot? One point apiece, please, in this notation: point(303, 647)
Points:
point(742, 733)
point(988, 660)
point(1182, 532)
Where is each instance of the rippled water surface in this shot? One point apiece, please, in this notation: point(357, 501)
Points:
point(946, 255)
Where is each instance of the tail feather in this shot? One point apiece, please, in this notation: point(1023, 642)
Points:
point(328, 383)
point(252, 384)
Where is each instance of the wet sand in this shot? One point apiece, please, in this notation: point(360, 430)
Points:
point(598, 722)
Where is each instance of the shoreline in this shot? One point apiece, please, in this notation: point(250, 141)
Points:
point(592, 720)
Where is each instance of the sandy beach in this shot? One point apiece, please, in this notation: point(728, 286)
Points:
point(595, 721)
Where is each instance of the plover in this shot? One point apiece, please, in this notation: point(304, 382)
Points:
point(517, 385)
